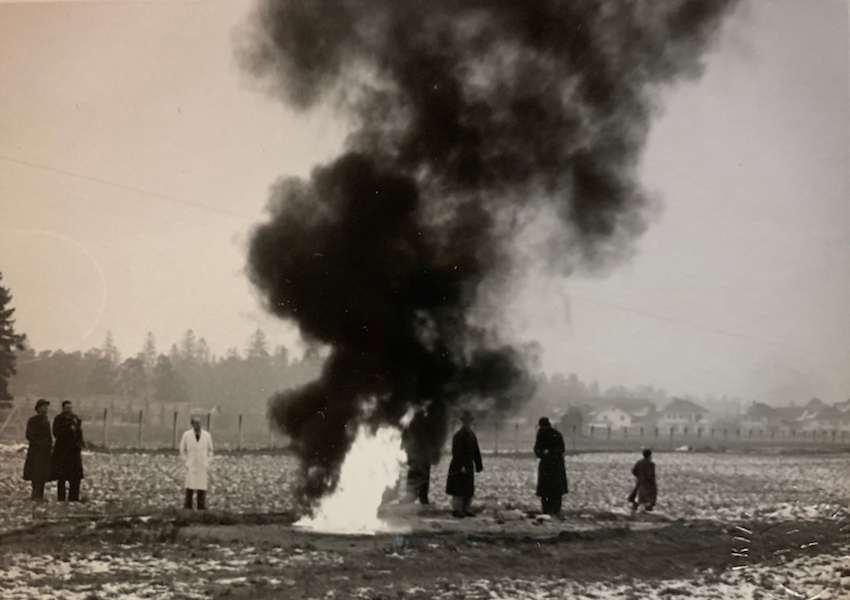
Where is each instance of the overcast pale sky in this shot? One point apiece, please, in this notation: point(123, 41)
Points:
point(117, 119)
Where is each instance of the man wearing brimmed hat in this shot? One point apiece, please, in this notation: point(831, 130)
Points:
point(37, 465)
point(460, 484)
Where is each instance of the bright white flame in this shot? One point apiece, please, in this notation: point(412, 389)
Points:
point(371, 466)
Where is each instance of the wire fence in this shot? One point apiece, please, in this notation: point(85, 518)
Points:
point(161, 430)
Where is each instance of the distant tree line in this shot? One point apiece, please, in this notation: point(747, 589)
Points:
point(188, 373)
point(243, 381)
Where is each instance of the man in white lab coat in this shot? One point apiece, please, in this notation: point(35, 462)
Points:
point(196, 450)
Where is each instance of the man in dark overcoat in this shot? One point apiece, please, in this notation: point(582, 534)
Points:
point(37, 465)
point(418, 460)
point(645, 491)
point(67, 460)
point(466, 456)
point(551, 471)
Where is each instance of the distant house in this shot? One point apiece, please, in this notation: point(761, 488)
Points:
point(842, 406)
point(761, 416)
point(812, 409)
point(828, 418)
point(612, 417)
point(683, 413)
point(789, 416)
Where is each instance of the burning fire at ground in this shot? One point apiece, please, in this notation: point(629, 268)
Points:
point(371, 467)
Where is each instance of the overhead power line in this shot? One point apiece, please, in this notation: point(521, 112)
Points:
point(128, 188)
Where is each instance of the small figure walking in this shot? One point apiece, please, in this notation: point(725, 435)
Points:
point(460, 484)
point(551, 471)
point(37, 466)
point(67, 461)
point(646, 491)
point(196, 450)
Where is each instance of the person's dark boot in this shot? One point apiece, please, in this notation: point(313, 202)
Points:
point(457, 514)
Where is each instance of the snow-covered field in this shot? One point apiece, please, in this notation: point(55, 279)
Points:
point(722, 487)
point(86, 562)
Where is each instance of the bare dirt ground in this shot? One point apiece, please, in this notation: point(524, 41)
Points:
point(780, 529)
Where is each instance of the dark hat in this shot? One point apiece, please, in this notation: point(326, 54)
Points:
point(544, 422)
point(41, 402)
point(466, 417)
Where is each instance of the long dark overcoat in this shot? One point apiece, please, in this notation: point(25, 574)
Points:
point(551, 471)
point(465, 457)
point(37, 465)
point(67, 460)
point(646, 490)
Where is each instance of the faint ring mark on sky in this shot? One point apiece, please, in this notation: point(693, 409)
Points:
point(103, 286)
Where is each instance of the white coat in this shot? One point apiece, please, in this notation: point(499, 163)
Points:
point(196, 455)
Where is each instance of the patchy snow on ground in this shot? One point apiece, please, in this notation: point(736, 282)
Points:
point(724, 487)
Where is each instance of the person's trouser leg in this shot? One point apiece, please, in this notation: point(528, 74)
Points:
point(37, 490)
point(426, 484)
point(457, 506)
point(60, 490)
point(202, 499)
point(422, 492)
point(556, 504)
point(188, 502)
point(74, 490)
point(467, 506)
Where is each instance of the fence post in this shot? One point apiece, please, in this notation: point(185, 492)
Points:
point(105, 427)
point(833, 436)
point(609, 432)
point(671, 436)
point(141, 425)
point(625, 433)
point(209, 422)
point(699, 435)
point(239, 446)
point(496, 440)
point(656, 435)
point(174, 432)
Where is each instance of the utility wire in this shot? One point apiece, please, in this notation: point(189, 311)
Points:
point(122, 186)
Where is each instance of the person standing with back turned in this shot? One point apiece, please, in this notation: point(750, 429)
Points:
point(196, 450)
point(551, 472)
point(460, 484)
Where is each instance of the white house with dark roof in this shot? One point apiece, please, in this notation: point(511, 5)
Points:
point(761, 416)
point(611, 416)
point(682, 413)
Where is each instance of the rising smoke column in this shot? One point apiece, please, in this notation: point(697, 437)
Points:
point(469, 117)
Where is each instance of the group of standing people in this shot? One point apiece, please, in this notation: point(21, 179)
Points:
point(552, 483)
point(62, 461)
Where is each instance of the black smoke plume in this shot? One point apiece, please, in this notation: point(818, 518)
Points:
point(468, 117)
